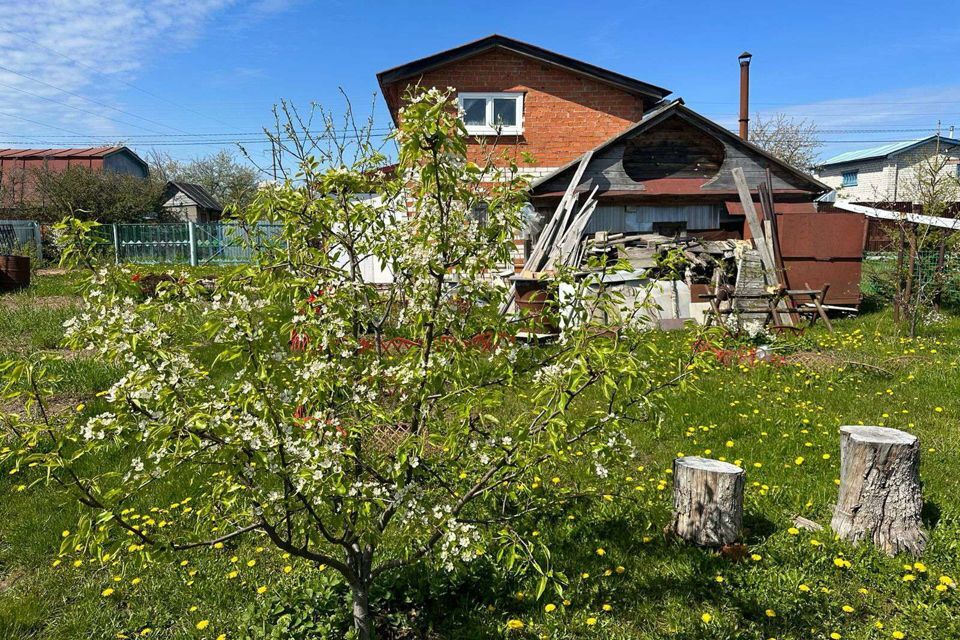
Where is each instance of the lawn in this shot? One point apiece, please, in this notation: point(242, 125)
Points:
point(779, 421)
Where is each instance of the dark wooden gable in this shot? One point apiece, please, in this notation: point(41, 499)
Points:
point(677, 152)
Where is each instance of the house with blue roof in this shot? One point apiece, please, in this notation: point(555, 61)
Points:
point(887, 173)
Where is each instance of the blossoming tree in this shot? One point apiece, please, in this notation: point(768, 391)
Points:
point(357, 425)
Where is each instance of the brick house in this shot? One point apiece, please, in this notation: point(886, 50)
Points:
point(658, 166)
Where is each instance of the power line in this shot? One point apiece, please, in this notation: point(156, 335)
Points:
point(42, 124)
point(82, 97)
point(71, 106)
point(99, 72)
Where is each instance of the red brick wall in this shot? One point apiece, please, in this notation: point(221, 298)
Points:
point(564, 114)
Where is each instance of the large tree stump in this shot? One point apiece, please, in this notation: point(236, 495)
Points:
point(880, 498)
point(707, 501)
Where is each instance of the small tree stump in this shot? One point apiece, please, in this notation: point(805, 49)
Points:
point(707, 501)
point(880, 497)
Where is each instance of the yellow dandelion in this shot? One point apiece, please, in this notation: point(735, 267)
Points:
point(106, 593)
point(203, 624)
point(706, 618)
point(550, 607)
point(514, 624)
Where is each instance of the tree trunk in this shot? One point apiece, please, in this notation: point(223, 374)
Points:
point(361, 559)
point(880, 496)
point(362, 620)
point(707, 501)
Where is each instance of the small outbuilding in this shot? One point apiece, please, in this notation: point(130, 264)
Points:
point(190, 202)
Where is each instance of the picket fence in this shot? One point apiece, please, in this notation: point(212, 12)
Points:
point(192, 243)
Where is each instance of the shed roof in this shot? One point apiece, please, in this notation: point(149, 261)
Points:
point(884, 151)
point(195, 192)
point(418, 67)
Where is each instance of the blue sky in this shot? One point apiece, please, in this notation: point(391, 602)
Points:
point(188, 77)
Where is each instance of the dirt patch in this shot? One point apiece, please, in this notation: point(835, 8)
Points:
point(39, 302)
point(7, 580)
point(817, 361)
point(51, 271)
point(55, 406)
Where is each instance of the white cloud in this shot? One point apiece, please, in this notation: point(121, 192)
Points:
point(104, 41)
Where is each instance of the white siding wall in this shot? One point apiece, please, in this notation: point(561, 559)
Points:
point(887, 179)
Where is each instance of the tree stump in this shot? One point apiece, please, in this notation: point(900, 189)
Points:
point(880, 496)
point(707, 501)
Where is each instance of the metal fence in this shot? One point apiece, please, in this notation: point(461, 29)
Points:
point(26, 234)
point(190, 243)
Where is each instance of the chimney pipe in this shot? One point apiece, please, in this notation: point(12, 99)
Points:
point(744, 59)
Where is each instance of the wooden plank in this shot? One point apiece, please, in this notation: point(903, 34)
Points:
point(753, 220)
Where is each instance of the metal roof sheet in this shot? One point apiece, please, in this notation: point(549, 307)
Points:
point(86, 152)
point(883, 151)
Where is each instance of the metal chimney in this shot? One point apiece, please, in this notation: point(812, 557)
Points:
point(744, 59)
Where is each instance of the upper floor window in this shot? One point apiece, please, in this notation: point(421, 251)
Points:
point(849, 179)
point(489, 114)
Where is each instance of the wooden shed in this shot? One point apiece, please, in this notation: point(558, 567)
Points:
point(190, 202)
point(672, 173)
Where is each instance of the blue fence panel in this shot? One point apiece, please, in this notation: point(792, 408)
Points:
point(27, 233)
point(192, 243)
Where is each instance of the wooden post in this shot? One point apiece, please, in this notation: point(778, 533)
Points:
point(707, 501)
point(880, 497)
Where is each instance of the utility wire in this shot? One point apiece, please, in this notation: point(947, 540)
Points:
point(91, 100)
point(99, 72)
point(76, 108)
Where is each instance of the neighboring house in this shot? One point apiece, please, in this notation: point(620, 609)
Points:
point(887, 173)
point(190, 202)
point(657, 164)
point(17, 167)
point(887, 176)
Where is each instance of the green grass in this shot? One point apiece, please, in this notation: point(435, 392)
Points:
point(764, 417)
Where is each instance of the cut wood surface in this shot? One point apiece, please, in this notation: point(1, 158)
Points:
point(880, 493)
point(707, 501)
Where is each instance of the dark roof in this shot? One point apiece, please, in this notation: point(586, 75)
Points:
point(195, 192)
point(885, 151)
point(418, 67)
point(664, 110)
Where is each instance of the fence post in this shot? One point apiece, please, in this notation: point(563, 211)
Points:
point(38, 240)
point(193, 244)
point(116, 244)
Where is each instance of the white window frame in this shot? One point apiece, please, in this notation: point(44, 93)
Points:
point(489, 129)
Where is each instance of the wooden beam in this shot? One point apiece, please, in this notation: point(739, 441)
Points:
point(753, 220)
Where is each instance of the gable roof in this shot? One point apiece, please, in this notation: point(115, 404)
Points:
point(195, 192)
point(884, 151)
point(495, 41)
point(666, 109)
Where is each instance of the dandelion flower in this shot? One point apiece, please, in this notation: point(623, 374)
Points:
point(514, 624)
point(203, 624)
point(591, 622)
point(706, 618)
point(106, 593)
point(601, 551)
point(550, 607)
